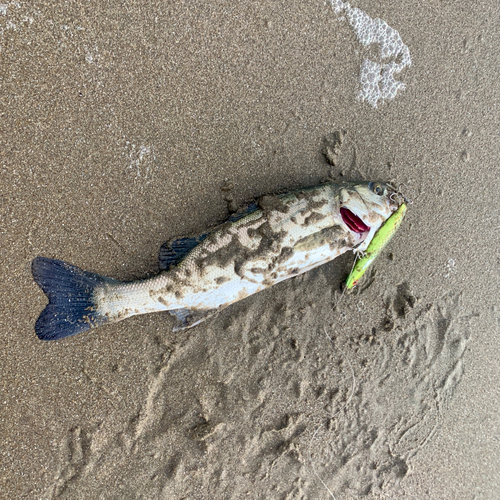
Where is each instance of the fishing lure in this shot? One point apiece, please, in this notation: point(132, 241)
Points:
point(378, 243)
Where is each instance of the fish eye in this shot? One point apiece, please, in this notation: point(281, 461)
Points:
point(377, 188)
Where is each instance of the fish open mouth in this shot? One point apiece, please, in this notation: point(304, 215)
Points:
point(352, 221)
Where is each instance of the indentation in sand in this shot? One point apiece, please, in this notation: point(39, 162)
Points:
point(265, 379)
point(396, 408)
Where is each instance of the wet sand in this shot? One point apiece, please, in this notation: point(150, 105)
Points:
point(119, 127)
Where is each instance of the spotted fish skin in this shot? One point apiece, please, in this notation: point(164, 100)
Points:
point(284, 236)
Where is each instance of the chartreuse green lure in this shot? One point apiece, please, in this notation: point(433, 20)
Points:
point(378, 243)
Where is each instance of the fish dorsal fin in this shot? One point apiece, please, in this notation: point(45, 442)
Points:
point(172, 252)
point(187, 318)
point(242, 213)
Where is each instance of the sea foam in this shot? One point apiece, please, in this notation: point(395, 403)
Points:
point(377, 78)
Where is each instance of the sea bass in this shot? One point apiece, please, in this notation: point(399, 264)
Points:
point(277, 238)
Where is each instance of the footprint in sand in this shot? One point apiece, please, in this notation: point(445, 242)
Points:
point(244, 419)
point(396, 408)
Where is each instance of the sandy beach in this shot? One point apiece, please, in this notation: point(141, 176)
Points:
point(126, 124)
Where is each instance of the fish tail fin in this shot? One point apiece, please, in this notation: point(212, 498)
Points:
point(70, 291)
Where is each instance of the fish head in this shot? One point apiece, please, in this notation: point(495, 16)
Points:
point(364, 207)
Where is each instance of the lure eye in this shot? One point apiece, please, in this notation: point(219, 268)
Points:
point(377, 188)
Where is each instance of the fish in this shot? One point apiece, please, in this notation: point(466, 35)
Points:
point(377, 244)
point(273, 239)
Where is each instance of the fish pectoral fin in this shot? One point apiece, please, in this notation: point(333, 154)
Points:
point(187, 318)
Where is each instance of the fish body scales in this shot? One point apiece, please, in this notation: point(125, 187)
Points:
point(287, 236)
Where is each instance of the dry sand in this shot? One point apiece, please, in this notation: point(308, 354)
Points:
point(120, 124)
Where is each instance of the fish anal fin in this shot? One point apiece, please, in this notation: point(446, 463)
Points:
point(187, 318)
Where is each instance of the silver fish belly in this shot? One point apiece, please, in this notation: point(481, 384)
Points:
point(284, 236)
